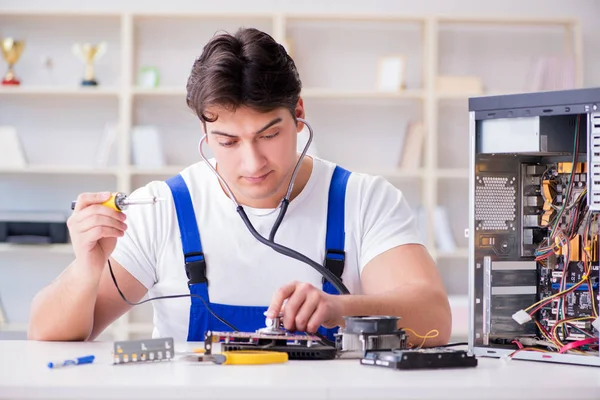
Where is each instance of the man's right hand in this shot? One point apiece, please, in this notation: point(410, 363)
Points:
point(94, 230)
point(82, 301)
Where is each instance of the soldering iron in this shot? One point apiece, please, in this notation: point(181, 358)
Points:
point(120, 201)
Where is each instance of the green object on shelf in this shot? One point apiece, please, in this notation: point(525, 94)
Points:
point(148, 77)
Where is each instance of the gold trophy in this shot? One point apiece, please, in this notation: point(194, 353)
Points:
point(11, 51)
point(88, 53)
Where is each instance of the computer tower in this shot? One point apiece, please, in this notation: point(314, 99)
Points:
point(534, 204)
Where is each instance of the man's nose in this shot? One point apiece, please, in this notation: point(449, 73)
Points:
point(252, 160)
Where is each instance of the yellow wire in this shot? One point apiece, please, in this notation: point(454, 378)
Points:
point(564, 321)
point(561, 242)
point(583, 279)
point(589, 281)
point(511, 355)
point(548, 338)
point(555, 341)
point(586, 250)
point(427, 336)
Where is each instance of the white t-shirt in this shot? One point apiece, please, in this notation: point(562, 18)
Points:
point(241, 270)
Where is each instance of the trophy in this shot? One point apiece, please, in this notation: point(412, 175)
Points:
point(88, 53)
point(11, 51)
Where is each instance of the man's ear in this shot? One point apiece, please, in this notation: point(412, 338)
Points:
point(299, 112)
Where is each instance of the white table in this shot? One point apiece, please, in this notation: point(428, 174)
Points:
point(24, 375)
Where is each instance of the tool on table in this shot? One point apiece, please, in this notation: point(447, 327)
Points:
point(240, 357)
point(75, 361)
point(120, 201)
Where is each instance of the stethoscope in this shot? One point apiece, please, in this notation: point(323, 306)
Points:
point(337, 283)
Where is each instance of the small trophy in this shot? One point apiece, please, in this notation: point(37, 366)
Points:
point(88, 53)
point(11, 51)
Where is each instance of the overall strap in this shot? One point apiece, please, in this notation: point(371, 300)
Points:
point(195, 265)
point(335, 255)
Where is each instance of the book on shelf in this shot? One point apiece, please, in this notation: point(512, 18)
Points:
point(107, 144)
point(146, 146)
point(412, 149)
point(551, 73)
point(12, 153)
point(444, 238)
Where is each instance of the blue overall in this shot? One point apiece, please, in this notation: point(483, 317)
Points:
point(248, 318)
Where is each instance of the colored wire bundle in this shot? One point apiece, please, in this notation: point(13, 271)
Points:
point(570, 220)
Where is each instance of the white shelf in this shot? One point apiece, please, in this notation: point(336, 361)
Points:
point(324, 93)
point(159, 91)
point(59, 248)
point(136, 42)
point(401, 18)
point(201, 15)
point(21, 90)
point(60, 170)
point(466, 95)
point(59, 13)
point(452, 173)
point(388, 172)
point(13, 327)
point(166, 171)
point(512, 20)
point(307, 93)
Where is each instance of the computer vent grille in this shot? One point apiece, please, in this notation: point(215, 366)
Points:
point(495, 203)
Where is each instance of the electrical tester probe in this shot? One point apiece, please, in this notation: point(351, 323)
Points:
point(120, 201)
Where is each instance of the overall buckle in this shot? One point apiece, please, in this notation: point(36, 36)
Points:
point(335, 265)
point(196, 269)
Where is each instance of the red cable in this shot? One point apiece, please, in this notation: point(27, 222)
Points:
point(576, 344)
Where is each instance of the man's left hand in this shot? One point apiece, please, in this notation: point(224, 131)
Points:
point(307, 307)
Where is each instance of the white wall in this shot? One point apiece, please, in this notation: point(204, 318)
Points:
point(586, 10)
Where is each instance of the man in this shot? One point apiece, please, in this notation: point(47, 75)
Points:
point(245, 89)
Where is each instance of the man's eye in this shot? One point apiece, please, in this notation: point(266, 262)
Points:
point(226, 144)
point(271, 136)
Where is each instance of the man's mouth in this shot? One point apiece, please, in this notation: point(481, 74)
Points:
point(257, 179)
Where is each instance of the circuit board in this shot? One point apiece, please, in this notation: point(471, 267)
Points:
point(298, 346)
point(576, 304)
point(567, 258)
point(538, 240)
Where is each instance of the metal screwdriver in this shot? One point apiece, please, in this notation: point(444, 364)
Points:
point(120, 201)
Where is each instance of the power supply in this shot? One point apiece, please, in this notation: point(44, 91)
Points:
point(534, 205)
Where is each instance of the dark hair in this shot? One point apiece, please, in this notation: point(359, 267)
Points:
point(246, 69)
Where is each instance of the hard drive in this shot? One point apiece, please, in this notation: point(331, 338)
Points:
point(419, 358)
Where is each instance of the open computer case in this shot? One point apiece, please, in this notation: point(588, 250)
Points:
point(534, 209)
